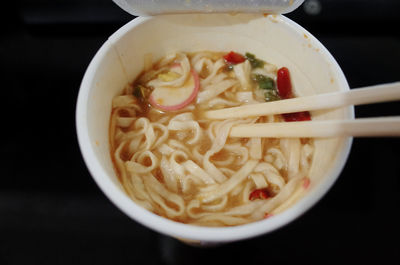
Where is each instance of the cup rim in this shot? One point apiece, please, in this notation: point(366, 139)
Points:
point(187, 231)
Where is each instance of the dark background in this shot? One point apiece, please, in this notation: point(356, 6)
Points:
point(52, 212)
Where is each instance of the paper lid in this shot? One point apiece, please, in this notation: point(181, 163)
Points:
point(157, 7)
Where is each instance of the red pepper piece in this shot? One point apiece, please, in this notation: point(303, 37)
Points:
point(258, 194)
point(285, 91)
point(234, 58)
point(297, 116)
point(283, 83)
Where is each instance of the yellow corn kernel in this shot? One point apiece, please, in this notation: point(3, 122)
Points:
point(168, 77)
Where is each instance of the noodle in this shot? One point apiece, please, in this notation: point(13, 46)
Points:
point(186, 168)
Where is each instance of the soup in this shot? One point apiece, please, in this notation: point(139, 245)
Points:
point(178, 164)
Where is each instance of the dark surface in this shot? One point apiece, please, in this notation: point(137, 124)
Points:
point(51, 211)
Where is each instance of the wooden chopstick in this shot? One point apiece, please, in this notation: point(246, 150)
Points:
point(364, 127)
point(359, 96)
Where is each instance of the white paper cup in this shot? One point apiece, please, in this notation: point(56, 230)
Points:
point(275, 39)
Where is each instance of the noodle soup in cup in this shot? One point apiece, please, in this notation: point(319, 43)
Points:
point(273, 39)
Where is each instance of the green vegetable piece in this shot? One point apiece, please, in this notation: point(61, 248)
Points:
point(254, 62)
point(271, 95)
point(264, 82)
point(267, 84)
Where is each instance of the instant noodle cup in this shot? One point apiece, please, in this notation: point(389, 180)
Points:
point(273, 38)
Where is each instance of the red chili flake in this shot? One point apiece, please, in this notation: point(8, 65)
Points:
point(234, 58)
point(297, 116)
point(306, 183)
point(268, 215)
point(258, 194)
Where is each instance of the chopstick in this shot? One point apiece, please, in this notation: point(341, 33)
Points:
point(359, 96)
point(364, 127)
